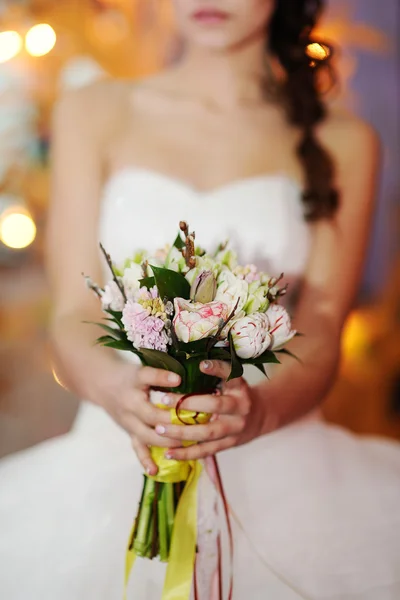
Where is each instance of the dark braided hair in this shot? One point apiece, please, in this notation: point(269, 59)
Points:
point(289, 36)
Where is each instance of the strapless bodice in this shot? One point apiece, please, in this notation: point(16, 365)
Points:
point(262, 216)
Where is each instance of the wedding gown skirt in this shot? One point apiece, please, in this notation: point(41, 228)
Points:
point(319, 507)
point(317, 510)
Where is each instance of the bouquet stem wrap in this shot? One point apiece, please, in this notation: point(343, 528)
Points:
point(176, 527)
point(178, 580)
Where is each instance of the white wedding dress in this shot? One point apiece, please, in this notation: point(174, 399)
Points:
point(320, 507)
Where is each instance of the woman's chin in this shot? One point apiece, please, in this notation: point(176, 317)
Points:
point(212, 39)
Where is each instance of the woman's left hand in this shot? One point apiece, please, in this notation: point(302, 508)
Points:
point(237, 417)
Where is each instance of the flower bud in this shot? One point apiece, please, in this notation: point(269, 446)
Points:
point(227, 258)
point(204, 287)
point(257, 301)
point(175, 261)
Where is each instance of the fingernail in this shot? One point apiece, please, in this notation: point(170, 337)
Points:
point(168, 455)
point(149, 470)
point(160, 429)
point(173, 378)
point(206, 364)
point(165, 400)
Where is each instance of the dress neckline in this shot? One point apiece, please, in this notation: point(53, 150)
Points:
point(129, 171)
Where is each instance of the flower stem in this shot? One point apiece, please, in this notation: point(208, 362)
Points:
point(144, 518)
point(169, 509)
point(162, 527)
point(154, 536)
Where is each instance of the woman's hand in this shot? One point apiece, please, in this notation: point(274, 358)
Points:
point(127, 401)
point(237, 417)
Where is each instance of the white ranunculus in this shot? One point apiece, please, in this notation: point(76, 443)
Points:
point(130, 279)
point(231, 290)
point(280, 326)
point(250, 335)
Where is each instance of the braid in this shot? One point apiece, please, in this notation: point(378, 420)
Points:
point(290, 29)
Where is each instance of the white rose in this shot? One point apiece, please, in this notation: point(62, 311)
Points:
point(250, 335)
point(280, 326)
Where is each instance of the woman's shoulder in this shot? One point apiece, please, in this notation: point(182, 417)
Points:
point(347, 136)
point(104, 102)
point(92, 105)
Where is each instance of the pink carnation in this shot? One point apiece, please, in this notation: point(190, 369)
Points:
point(144, 330)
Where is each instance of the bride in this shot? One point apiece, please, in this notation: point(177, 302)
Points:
point(236, 140)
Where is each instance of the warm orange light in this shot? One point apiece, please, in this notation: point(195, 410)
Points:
point(10, 45)
point(57, 379)
point(40, 39)
point(318, 51)
point(356, 338)
point(17, 229)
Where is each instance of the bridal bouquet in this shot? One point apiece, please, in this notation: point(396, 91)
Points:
point(174, 310)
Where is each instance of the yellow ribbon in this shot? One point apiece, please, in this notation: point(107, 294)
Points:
point(179, 575)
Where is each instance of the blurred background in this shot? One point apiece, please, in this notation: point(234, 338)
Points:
point(49, 46)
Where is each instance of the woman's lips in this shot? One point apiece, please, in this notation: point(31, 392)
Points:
point(209, 16)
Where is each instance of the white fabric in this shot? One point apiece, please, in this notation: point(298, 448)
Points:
point(320, 507)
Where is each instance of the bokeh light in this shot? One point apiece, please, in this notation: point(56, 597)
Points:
point(40, 40)
point(318, 51)
point(10, 45)
point(17, 229)
point(357, 336)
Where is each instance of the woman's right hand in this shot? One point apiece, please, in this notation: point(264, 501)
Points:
point(126, 399)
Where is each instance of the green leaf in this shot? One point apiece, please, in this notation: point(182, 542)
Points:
point(200, 346)
point(267, 357)
point(262, 369)
point(220, 354)
point(179, 243)
point(236, 365)
point(171, 284)
point(147, 282)
point(121, 345)
point(285, 351)
point(161, 360)
point(117, 334)
point(117, 316)
point(105, 339)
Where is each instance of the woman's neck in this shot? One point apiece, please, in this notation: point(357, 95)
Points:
point(226, 78)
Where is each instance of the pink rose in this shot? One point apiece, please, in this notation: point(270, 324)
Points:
point(195, 320)
point(280, 326)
